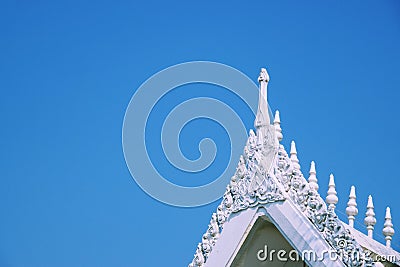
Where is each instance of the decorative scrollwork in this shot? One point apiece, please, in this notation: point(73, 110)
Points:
point(255, 183)
point(250, 186)
point(314, 207)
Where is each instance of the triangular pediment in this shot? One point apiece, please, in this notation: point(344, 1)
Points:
point(266, 246)
point(256, 227)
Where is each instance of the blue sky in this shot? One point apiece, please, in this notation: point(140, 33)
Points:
point(68, 70)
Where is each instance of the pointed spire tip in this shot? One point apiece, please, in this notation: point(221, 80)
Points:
point(277, 118)
point(312, 168)
point(264, 76)
point(293, 149)
point(370, 202)
point(388, 215)
point(331, 179)
point(353, 191)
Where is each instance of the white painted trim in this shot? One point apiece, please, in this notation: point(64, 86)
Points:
point(292, 224)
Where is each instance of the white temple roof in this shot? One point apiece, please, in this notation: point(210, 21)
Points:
point(269, 184)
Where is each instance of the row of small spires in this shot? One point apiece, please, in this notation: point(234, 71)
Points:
point(332, 199)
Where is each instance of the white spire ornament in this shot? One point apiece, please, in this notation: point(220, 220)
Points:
point(351, 209)
point(262, 117)
point(265, 131)
point(277, 125)
point(312, 179)
point(293, 155)
point(388, 230)
point(332, 198)
point(370, 219)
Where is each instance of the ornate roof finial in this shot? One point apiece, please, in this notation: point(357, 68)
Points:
point(262, 118)
point(332, 198)
point(312, 179)
point(351, 209)
point(263, 77)
point(277, 125)
point(370, 219)
point(293, 155)
point(388, 230)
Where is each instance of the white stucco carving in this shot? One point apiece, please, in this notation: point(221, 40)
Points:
point(388, 231)
point(253, 185)
point(370, 219)
point(277, 125)
point(331, 197)
point(351, 209)
point(262, 117)
point(312, 179)
point(267, 176)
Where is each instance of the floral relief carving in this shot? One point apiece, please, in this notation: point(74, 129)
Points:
point(254, 183)
point(250, 186)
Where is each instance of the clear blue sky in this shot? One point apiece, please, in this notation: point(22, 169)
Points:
point(68, 70)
